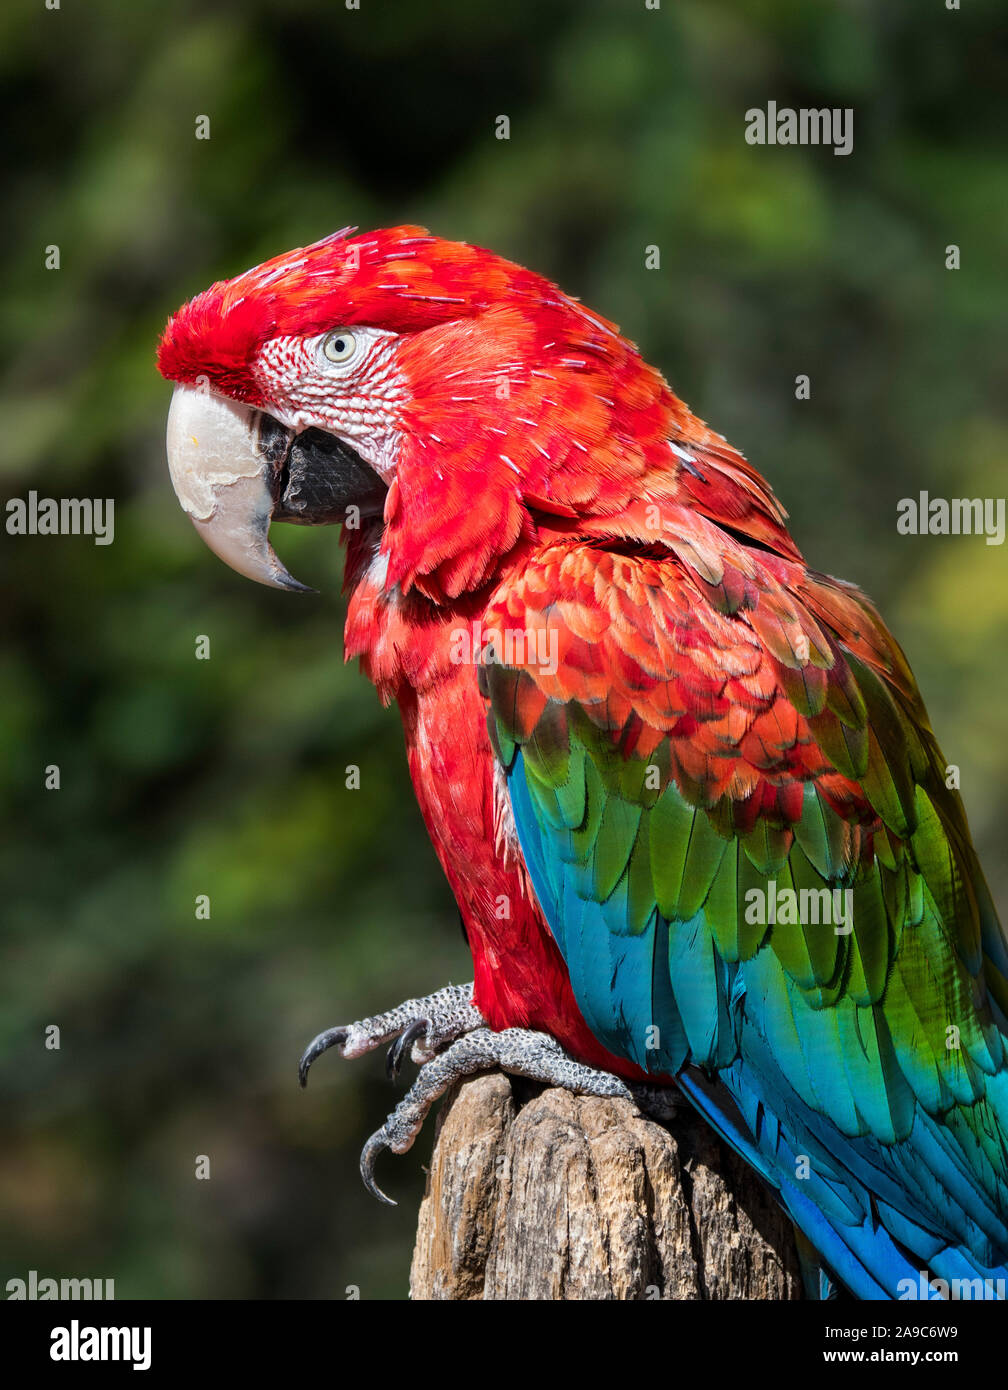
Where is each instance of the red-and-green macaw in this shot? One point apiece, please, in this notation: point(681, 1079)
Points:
point(683, 787)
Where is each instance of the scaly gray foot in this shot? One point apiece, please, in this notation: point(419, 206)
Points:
point(422, 1026)
point(449, 1020)
point(517, 1050)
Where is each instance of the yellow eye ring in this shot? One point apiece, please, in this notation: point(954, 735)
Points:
point(339, 346)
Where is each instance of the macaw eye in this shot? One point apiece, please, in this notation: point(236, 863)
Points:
point(339, 346)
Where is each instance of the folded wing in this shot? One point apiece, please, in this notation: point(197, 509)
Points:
point(735, 818)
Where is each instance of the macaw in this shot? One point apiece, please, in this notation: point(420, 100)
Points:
point(683, 787)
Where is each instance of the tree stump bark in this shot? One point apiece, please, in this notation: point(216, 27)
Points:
point(557, 1196)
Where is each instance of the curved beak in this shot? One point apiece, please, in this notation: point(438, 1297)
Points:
point(235, 469)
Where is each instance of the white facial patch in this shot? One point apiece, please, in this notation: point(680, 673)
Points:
point(355, 398)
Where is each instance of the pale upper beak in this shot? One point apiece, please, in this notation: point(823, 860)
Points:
point(235, 469)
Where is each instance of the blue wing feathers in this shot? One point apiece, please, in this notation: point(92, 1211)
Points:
point(820, 1101)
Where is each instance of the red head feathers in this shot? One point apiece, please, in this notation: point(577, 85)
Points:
point(489, 401)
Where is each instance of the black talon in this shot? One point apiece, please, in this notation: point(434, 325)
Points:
point(332, 1037)
point(402, 1044)
point(374, 1146)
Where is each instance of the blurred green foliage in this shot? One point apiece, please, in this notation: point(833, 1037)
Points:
point(226, 777)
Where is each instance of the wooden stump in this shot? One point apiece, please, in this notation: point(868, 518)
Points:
point(556, 1196)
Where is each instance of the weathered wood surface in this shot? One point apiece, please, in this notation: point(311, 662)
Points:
point(572, 1197)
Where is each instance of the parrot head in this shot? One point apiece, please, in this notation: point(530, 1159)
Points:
point(426, 388)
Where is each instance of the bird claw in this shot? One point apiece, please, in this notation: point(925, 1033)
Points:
point(437, 1019)
point(374, 1146)
point(394, 1059)
point(331, 1037)
point(401, 1128)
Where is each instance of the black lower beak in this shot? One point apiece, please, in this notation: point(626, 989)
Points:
point(318, 478)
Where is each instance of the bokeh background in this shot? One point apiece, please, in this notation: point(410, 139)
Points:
point(226, 777)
